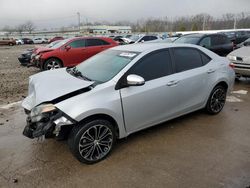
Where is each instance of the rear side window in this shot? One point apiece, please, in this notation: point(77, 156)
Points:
point(186, 59)
point(219, 40)
point(96, 42)
point(77, 44)
point(153, 66)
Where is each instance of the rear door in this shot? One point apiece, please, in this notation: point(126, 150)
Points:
point(193, 74)
point(76, 54)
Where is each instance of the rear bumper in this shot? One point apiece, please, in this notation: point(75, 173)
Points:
point(242, 72)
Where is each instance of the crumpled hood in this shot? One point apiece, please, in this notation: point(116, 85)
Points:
point(49, 85)
point(43, 49)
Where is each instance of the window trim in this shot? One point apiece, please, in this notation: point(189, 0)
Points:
point(193, 48)
point(120, 84)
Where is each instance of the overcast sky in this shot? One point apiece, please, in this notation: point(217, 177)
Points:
point(49, 13)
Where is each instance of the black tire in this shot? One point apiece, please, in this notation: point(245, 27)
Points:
point(11, 44)
point(52, 63)
point(96, 148)
point(216, 100)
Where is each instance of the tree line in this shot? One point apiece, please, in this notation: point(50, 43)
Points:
point(196, 22)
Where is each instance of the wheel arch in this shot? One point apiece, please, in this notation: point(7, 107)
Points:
point(222, 83)
point(104, 117)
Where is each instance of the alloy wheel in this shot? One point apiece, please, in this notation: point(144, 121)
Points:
point(53, 65)
point(218, 100)
point(96, 142)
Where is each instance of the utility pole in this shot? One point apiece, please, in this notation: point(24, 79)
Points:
point(235, 22)
point(204, 22)
point(79, 23)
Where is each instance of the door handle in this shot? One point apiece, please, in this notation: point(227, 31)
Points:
point(173, 83)
point(210, 71)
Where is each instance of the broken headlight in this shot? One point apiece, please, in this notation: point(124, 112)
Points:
point(39, 112)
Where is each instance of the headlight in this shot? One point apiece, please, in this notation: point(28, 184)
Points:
point(37, 112)
point(37, 57)
point(232, 58)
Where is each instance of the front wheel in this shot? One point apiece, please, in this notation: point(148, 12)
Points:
point(52, 64)
point(93, 141)
point(216, 100)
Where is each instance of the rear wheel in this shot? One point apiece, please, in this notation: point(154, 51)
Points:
point(216, 100)
point(52, 64)
point(93, 141)
point(11, 44)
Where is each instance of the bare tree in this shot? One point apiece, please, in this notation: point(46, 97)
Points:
point(20, 28)
point(29, 26)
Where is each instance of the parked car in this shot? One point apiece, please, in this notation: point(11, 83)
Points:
point(237, 37)
point(244, 43)
point(218, 43)
point(240, 60)
point(143, 38)
point(26, 57)
point(71, 52)
point(121, 91)
point(19, 41)
point(40, 40)
point(55, 39)
point(7, 41)
point(27, 41)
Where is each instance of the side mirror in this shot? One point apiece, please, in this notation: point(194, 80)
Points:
point(67, 48)
point(135, 80)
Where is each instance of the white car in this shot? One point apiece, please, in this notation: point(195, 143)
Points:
point(123, 90)
point(40, 40)
point(19, 42)
point(142, 39)
point(240, 60)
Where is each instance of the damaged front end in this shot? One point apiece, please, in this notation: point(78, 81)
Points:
point(47, 121)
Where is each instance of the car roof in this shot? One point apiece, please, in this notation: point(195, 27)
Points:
point(201, 34)
point(150, 46)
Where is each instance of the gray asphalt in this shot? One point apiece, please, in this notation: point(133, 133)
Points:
point(197, 150)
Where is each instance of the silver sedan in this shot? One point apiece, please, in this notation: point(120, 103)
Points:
point(123, 90)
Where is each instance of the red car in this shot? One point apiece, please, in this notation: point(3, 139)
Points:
point(55, 39)
point(70, 52)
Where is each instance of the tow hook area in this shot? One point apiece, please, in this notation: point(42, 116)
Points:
point(48, 126)
point(38, 129)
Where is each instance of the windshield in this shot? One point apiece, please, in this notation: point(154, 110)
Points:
point(104, 66)
point(59, 44)
point(134, 37)
point(53, 44)
point(188, 40)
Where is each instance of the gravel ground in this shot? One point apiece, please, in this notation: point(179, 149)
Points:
point(13, 76)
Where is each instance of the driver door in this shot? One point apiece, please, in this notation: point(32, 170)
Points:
point(154, 101)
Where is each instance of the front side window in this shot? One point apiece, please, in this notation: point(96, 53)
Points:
point(206, 42)
point(186, 59)
point(153, 66)
point(77, 44)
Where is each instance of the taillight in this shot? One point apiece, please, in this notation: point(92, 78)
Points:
point(231, 65)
